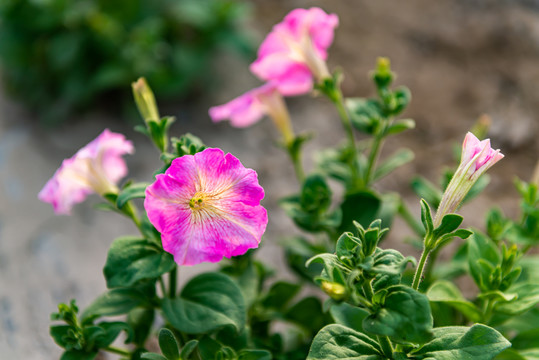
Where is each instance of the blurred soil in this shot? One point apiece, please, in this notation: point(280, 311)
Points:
point(460, 59)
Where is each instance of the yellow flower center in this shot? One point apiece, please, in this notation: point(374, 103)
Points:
point(197, 201)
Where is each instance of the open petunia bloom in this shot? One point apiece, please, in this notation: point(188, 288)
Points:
point(477, 157)
point(250, 107)
point(96, 168)
point(295, 51)
point(207, 206)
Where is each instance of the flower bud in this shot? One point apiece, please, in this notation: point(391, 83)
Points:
point(334, 290)
point(477, 157)
point(145, 100)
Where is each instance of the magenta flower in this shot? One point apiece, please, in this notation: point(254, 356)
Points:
point(477, 157)
point(250, 107)
point(295, 51)
point(207, 206)
point(96, 168)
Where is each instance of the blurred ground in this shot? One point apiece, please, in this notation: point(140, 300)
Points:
point(459, 58)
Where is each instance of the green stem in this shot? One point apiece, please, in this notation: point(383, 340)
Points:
point(295, 156)
point(173, 279)
point(386, 346)
point(131, 211)
point(432, 260)
point(409, 219)
point(367, 288)
point(488, 310)
point(162, 285)
point(419, 270)
point(115, 350)
point(373, 158)
point(337, 98)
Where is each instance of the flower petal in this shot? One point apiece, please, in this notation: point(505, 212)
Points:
point(228, 220)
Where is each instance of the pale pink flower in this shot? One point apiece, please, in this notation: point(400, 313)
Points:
point(477, 157)
point(96, 168)
point(250, 107)
point(295, 51)
point(207, 206)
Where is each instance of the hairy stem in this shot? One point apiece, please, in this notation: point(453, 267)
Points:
point(419, 270)
point(115, 350)
point(172, 280)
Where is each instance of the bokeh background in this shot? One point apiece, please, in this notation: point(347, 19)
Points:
point(459, 58)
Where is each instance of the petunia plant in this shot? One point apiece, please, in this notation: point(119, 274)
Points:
point(354, 297)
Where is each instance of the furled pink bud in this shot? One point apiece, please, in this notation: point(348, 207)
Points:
point(477, 157)
point(250, 107)
point(295, 51)
point(96, 168)
point(207, 206)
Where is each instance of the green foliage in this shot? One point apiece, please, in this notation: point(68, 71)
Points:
point(446, 292)
point(78, 52)
point(207, 303)
point(132, 259)
point(83, 339)
point(459, 342)
point(117, 302)
point(310, 209)
point(339, 342)
point(403, 315)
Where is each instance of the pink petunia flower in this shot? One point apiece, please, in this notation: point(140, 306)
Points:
point(96, 168)
point(295, 51)
point(250, 107)
point(477, 157)
point(207, 206)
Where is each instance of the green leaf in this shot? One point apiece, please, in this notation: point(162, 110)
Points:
point(131, 259)
point(347, 246)
point(360, 206)
point(188, 348)
point(78, 355)
point(404, 316)
point(398, 159)
point(168, 344)
point(140, 320)
point(208, 302)
point(254, 355)
point(208, 348)
point(400, 126)
point(479, 342)
point(390, 262)
point(115, 302)
point(153, 356)
point(132, 191)
point(426, 217)
point(527, 298)
point(111, 332)
point(527, 339)
point(365, 114)
point(307, 313)
point(426, 190)
point(339, 342)
point(280, 295)
point(482, 248)
point(315, 194)
point(348, 315)
point(298, 251)
point(450, 223)
point(447, 293)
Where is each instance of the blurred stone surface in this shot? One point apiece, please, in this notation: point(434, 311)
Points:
point(459, 58)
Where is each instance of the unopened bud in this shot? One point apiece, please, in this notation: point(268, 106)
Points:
point(334, 290)
point(145, 100)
